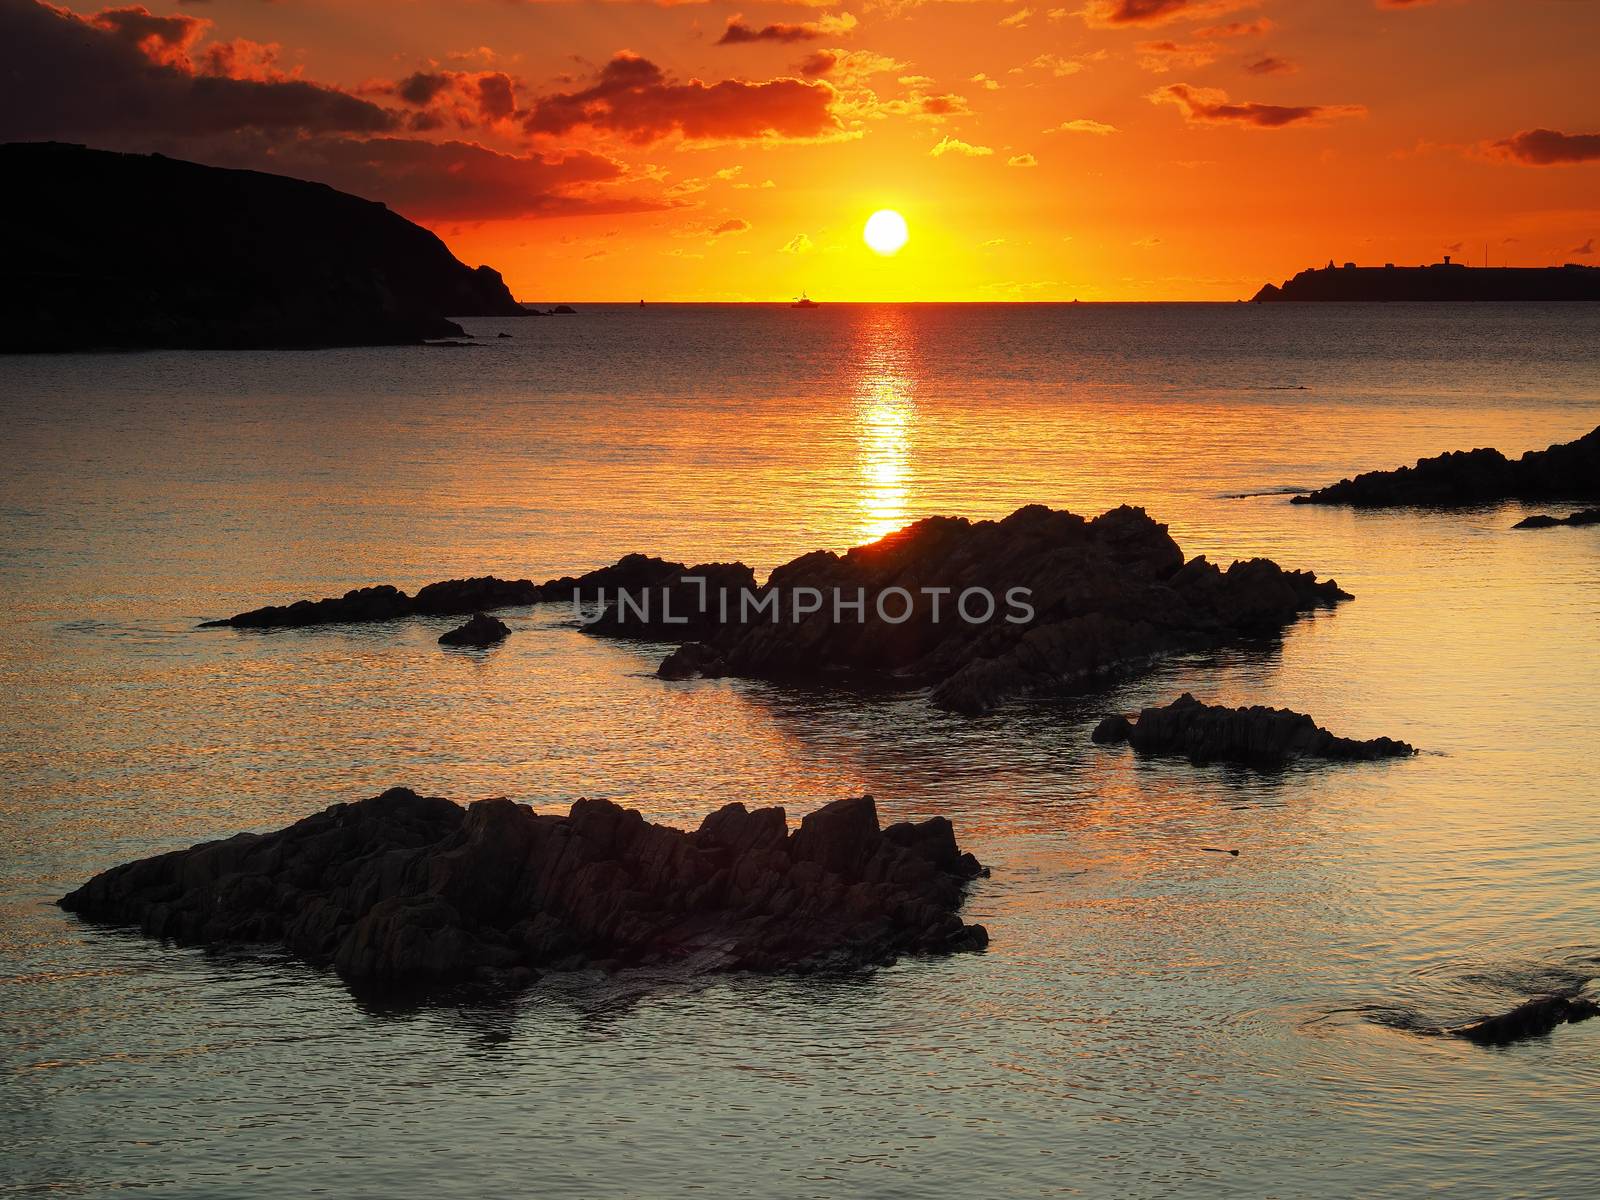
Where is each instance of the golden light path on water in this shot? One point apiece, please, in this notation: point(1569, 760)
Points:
point(885, 424)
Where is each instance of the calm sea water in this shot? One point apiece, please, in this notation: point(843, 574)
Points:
point(1151, 1020)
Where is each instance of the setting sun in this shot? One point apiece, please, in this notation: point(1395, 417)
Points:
point(885, 231)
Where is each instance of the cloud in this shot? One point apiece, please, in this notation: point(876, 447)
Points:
point(1548, 148)
point(950, 145)
point(738, 32)
point(1022, 160)
point(983, 81)
point(633, 98)
point(1017, 19)
point(1083, 125)
point(1585, 250)
point(1402, 3)
point(732, 225)
point(126, 78)
point(1211, 106)
point(1112, 14)
point(452, 180)
point(847, 67)
point(1270, 65)
point(1162, 57)
point(1236, 29)
point(798, 244)
point(946, 105)
point(468, 97)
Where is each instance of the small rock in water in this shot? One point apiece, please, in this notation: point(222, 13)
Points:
point(1587, 516)
point(1532, 1018)
point(481, 630)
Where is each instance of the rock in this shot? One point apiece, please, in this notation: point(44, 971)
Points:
point(685, 605)
point(450, 597)
point(275, 262)
point(1569, 470)
point(1104, 597)
point(482, 630)
point(692, 660)
point(1532, 1018)
point(405, 889)
point(563, 310)
point(502, 335)
point(1112, 731)
point(1589, 516)
point(1255, 735)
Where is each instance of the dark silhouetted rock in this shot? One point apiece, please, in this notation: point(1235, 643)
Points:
point(685, 605)
point(1102, 597)
point(1589, 516)
point(1570, 470)
point(1533, 1018)
point(692, 660)
point(404, 889)
point(451, 597)
point(190, 257)
point(1259, 735)
point(563, 310)
point(482, 630)
point(1444, 281)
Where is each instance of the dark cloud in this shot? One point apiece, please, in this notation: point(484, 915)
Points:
point(1585, 250)
point(818, 62)
point(1548, 148)
point(1211, 106)
point(123, 76)
point(634, 98)
point(451, 180)
point(731, 225)
point(471, 98)
point(738, 32)
point(1116, 13)
point(1270, 65)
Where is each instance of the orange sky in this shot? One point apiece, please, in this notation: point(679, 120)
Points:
point(1114, 149)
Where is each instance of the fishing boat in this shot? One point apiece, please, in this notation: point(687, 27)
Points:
point(805, 302)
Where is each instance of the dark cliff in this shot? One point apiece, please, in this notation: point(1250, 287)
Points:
point(126, 251)
point(1441, 281)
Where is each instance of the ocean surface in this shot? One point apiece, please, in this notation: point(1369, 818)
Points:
point(1151, 1020)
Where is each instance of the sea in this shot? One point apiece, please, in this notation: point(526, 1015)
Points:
point(1151, 1019)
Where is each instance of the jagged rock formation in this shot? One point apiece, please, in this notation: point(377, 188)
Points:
point(1588, 516)
point(455, 597)
point(402, 889)
point(1101, 597)
point(1439, 281)
point(1257, 735)
point(127, 251)
point(482, 630)
point(1569, 470)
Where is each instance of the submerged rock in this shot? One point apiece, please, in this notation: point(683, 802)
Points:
point(1569, 470)
point(983, 610)
point(403, 888)
point(1260, 735)
point(482, 630)
point(1589, 516)
point(1533, 1018)
point(692, 660)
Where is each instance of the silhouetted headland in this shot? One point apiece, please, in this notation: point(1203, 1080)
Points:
point(1568, 470)
point(405, 889)
point(127, 251)
point(1439, 281)
point(1588, 516)
point(1255, 735)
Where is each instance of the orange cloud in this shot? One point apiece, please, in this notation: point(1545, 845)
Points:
point(739, 32)
point(1548, 148)
point(1212, 106)
point(634, 99)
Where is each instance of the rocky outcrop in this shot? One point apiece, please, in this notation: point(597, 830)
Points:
point(456, 597)
point(979, 611)
point(1436, 282)
point(1588, 516)
point(1530, 1019)
point(482, 630)
point(407, 889)
point(1569, 470)
point(1256, 735)
point(196, 257)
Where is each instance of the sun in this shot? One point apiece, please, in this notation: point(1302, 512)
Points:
point(885, 231)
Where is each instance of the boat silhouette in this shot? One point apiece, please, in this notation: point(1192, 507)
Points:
point(805, 302)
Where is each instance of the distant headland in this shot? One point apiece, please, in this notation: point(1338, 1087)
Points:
point(127, 251)
point(1439, 281)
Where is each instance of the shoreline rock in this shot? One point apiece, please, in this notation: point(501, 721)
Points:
point(1588, 516)
point(1530, 1019)
point(1568, 470)
point(1256, 735)
point(403, 889)
point(482, 630)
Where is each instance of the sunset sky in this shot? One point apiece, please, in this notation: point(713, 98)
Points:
point(1107, 150)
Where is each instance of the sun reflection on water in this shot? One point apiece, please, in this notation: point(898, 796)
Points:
point(885, 424)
